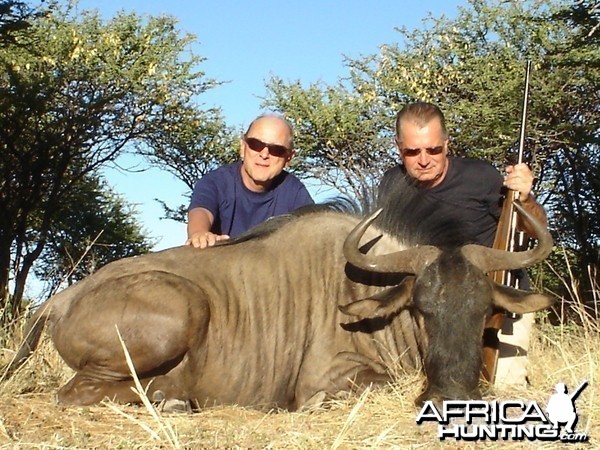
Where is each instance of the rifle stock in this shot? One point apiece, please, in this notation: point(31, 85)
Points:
point(504, 240)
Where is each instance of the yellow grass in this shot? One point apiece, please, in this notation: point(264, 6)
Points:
point(379, 418)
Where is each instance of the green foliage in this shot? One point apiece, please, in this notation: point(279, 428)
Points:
point(573, 159)
point(15, 16)
point(196, 143)
point(93, 227)
point(338, 134)
point(189, 148)
point(473, 67)
point(75, 93)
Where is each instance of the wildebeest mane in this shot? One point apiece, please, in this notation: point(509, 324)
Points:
point(413, 215)
point(409, 213)
point(337, 204)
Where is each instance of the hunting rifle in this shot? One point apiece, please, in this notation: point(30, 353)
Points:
point(506, 239)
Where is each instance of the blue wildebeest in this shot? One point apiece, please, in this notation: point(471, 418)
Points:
point(300, 308)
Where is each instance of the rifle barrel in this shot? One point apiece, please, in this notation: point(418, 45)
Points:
point(524, 115)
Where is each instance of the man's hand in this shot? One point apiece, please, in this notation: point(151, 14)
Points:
point(205, 239)
point(519, 178)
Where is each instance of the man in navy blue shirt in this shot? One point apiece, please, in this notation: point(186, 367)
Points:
point(235, 197)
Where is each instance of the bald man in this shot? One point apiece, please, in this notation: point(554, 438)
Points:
point(233, 198)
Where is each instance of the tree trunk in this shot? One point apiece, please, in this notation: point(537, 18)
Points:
point(5, 307)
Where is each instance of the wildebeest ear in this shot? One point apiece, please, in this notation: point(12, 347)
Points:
point(383, 303)
point(518, 301)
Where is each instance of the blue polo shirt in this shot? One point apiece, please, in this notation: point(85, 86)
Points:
point(236, 208)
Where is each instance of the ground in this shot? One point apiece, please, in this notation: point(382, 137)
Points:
point(380, 418)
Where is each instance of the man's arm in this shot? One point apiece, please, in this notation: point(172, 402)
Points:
point(200, 221)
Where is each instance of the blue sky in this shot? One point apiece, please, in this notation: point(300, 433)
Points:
point(245, 43)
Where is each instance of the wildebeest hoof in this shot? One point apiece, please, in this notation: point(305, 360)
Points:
point(177, 406)
point(172, 404)
point(158, 396)
point(314, 402)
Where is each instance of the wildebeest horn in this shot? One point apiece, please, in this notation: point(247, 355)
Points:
point(411, 260)
point(489, 259)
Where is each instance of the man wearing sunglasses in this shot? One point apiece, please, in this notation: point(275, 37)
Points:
point(469, 192)
point(473, 189)
point(233, 198)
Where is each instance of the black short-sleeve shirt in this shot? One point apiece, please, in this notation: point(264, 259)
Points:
point(471, 192)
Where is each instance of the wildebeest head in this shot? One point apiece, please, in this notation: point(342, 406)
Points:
point(449, 289)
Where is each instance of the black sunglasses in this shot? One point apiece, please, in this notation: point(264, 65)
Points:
point(417, 151)
point(257, 145)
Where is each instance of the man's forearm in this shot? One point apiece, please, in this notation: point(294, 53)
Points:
point(199, 221)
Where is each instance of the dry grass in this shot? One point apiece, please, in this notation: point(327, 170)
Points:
point(382, 418)
point(379, 418)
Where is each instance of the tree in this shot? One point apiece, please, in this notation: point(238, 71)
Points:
point(93, 227)
point(15, 16)
point(190, 149)
point(338, 134)
point(574, 164)
point(87, 91)
point(473, 67)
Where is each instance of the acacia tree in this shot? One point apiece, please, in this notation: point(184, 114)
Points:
point(76, 92)
point(575, 118)
point(93, 227)
point(473, 67)
point(190, 149)
point(339, 134)
point(15, 16)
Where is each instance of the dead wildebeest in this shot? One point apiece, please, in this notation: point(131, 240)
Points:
point(300, 308)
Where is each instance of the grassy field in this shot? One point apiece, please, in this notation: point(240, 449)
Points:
point(379, 418)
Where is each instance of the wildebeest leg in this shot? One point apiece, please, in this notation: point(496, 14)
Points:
point(158, 327)
point(83, 390)
point(365, 371)
point(354, 380)
point(348, 371)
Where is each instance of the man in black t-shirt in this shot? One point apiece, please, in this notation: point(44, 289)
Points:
point(473, 187)
point(469, 191)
